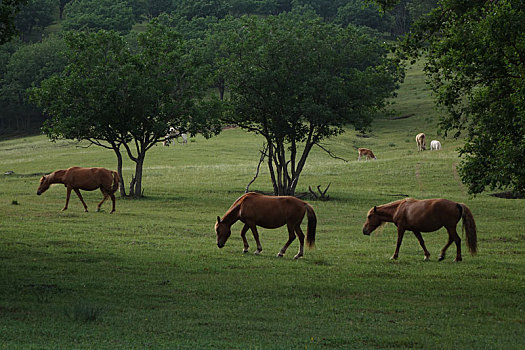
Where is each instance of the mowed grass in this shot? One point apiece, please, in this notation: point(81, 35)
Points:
point(151, 276)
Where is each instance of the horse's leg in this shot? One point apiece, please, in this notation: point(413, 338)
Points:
point(442, 254)
point(105, 194)
point(400, 233)
point(256, 237)
point(112, 196)
point(291, 237)
point(77, 191)
point(300, 235)
point(422, 243)
point(453, 233)
point(244, 240)
point(68, 194)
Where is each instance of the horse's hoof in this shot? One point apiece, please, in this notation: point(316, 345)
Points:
point(427, 258)
point(245, 251)
point(297, 256)
point(393, 257)
point(441, 258)
point(279, 255)
point(457, 259)
point(257, 252)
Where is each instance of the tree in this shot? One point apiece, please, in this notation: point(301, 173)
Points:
point(8, 12)
point(25, 68)
point(61, 5)
point(36, 13)
point(476, 64)
point(360, 12)
point(99, 14)
point(115, 97)
point(297, 80)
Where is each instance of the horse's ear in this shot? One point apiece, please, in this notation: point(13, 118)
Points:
point(218, 219)
point(375, 209)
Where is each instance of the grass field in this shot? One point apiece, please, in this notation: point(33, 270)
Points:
point(151, 276)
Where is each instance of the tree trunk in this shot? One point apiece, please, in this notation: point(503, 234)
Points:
point(137, 185)
point(116, 149)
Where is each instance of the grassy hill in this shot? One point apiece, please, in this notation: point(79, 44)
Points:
point(151, 275)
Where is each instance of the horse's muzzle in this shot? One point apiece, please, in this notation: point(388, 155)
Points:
point(38, 193)
point(365, 231)
point(220, 245)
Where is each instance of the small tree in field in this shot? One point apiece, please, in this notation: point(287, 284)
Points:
point(297, 80)
point(117, 98)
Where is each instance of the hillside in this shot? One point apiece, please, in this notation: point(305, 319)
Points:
point(151, 275)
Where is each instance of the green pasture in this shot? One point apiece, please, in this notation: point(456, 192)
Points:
point(151, 276)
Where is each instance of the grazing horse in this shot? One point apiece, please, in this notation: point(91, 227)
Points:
point(425, 216)
point(421, 143)
point(435, 145)
point(365, 152)
point(87, 179)
point(255, 209)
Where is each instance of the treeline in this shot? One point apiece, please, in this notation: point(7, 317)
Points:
point(39, 50)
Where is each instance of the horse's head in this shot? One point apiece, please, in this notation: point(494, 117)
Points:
point(44, 185)
point(223, 231)
point(373, 221)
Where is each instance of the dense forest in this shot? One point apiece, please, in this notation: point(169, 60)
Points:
point(37, 51)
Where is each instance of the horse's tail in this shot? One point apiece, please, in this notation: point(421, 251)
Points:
point(469, 227)
point(312, 224)
point(115, 182)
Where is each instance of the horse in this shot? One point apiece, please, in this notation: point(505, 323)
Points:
point(87, 179)
point(421, 143)
point(435, 145)
point(365, 152)
point(426, 215)
point(255, 209)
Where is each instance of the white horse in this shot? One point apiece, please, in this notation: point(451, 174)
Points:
point(421, 143)
point(435, 145)
point(174, 133)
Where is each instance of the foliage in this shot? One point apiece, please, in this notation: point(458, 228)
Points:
point(110, 95)
point(358, 12)
point(26, 68)
point(36, 13)
point(8, 11)
point(476, 64)
point(99, 14)
point(297, 81)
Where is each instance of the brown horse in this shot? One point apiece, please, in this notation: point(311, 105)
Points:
point(421, 142)
point(87, 179)
point(425, 216)
point(365, 152)
point(255, 209)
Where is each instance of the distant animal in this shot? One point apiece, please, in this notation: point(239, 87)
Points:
point(87, 179)
point(426, 215)
point(174, 133)
point(435, 145)
point(184, 138)
point(254, 209)
point(365, 152)
point(421, 143)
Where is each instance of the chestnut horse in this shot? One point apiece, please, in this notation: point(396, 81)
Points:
point(87, 179)
point(425, 216)
point(255, 209)
point(365, 152)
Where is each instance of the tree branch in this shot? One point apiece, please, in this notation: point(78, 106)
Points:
point(331, 154)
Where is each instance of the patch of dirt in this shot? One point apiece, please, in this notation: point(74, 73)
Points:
point(402, 116)
point(508, 195)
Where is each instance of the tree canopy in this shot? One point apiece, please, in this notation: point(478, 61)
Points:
point(297, 80)
point(115, 97)
point(476, 64)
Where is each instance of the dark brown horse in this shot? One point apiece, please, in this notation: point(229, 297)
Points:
point(255, 209)
point(425, 216)
point(87, 179)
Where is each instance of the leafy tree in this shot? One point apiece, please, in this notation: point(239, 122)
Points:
point(8, 12)
point(61, 5)
point(476, 64)
point(99, 14)
point(26, 68)
point(36, 13)
point(363, 13)
point(116, 97)
point(297, 81)
point(203, 8)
